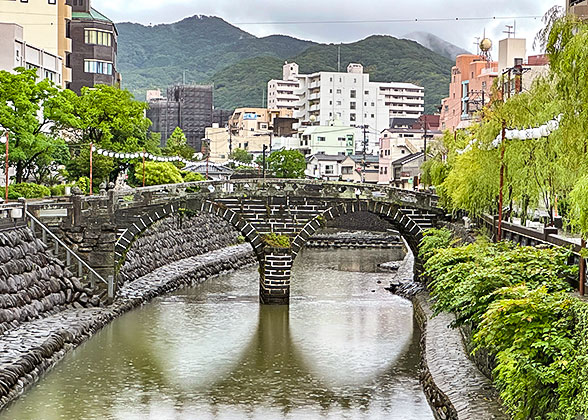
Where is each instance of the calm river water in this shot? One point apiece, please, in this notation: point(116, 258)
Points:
point(340, 351)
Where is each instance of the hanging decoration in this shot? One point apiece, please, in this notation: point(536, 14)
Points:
point(139, 155)
point(519, 134)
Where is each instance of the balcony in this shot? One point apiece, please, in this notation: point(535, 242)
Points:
point(314, 96)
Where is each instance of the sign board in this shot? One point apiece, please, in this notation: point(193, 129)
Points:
point(250, 116)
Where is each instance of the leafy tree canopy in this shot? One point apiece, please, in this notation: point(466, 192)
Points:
point(287, 164)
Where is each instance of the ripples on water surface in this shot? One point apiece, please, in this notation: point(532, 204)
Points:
point(340, 351)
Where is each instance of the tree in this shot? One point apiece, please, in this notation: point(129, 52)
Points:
point(176, 145)
point(241, 155)
point(287, 164)
point(27, 108)
point(109, 118)
point(159, 173)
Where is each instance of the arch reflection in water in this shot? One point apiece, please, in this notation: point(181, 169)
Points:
point(211, 352)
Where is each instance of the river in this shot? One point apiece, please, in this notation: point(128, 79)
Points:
point(344, 349)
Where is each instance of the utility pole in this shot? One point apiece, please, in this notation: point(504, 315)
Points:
point(501, 186)
point(425, 138)
point(263, 161)
point(364, 152)
point(91, 169)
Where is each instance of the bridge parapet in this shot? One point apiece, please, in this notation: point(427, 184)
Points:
point(102, 228)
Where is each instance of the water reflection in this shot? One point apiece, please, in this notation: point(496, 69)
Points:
point(345, 348)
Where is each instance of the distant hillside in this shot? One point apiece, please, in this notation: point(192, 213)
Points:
point(385, 58)
point(200, 46)
point(210, 50)
point(436, 44)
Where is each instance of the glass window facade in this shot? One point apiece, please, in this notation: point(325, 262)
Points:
point(96, 37)
point(97, 67)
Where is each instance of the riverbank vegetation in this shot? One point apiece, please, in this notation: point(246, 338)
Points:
point(518, 304)
point(539, 174)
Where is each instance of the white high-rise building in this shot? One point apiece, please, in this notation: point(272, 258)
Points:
point(319, 98)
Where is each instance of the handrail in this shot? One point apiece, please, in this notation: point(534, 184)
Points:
point(69, 253)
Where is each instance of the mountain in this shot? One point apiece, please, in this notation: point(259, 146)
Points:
point(210, 50)
point(157, 56)
point(436, 44)
point(385, 58)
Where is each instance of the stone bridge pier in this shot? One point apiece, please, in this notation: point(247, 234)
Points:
point(275, 270)
point(103, 228)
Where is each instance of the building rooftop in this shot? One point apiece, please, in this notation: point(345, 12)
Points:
point(93, 14)
point(406, 159)
point(329, 158)
point(368, 158)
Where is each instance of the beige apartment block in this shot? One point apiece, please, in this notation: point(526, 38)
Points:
point(578, 7)
point(44, 24)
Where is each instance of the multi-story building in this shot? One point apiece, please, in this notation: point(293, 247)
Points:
point(15, 52)
point(283, 94)
point(187, 107)
point(578, 7)
point(44, 25)
point(350, 97)
point(94, 47)
point(469, 90)
point(332, 139)
point(516, 71)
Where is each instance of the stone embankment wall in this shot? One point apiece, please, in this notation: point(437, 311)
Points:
point(356, 239)
point(33, 284)
point(175, 238)
point(361, 220)
point(34, 344)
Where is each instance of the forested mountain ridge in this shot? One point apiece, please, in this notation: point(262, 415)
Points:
point(210, 50)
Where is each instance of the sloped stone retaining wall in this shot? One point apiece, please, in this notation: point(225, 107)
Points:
point(28, 351)
point(33, 283)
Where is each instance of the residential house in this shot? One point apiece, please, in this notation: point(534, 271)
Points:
point(407, 171)
point(332, 139)
point(352, 169)
point(327, 167)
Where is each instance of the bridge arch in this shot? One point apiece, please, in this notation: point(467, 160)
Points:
point(296, 208)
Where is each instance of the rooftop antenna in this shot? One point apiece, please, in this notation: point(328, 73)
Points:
point(510, 30)
point(477, 44)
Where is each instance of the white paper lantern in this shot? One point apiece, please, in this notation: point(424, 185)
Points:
point(552, 125)
point(537, 133)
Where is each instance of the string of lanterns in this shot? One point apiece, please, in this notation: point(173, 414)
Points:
point(523, 134)
point(140, 155)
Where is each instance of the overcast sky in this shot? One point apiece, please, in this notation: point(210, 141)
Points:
point(239, 13)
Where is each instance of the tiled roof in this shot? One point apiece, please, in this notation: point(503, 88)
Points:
point(406, 159)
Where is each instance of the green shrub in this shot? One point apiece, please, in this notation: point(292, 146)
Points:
point(433, 240)
point(193, 177)
point(276, 241)
point(83, 183)
point(159, 173)
point(27, 190)
point(517, 302)
point(59, 190)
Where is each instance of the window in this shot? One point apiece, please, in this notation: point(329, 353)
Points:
point(352, 105)
point(339, 91)
point(330, 79)
point(347, 170)
point(52, 1)
point(385, 170)
point(320, 138)
point(329, 170)
point(373, 115)
point(352, 117)
point(96, 37)
point(373, 104)
point(353, 94)
point(339, 103)
point(341, 139)
point(97, 67)
point(367, 92)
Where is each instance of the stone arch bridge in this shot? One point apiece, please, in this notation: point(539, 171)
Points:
point(101, 229)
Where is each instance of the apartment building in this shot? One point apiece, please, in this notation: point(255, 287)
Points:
point(45, 25)
point(469, 90)
point(15, 52)
point(349, 97)
point(334, 139)
point(94, 47)
point(577, 7)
